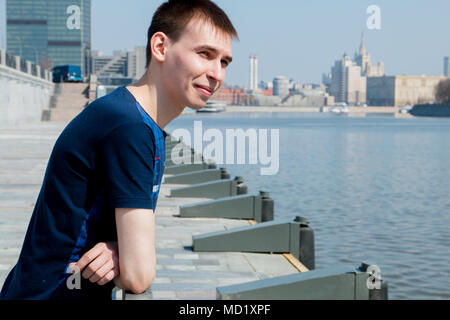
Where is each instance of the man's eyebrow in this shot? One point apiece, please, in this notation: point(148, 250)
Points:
point(206, 47)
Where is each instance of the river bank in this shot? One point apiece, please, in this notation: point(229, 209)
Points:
point(363, 185)
point(351, 110)
point(271, 109)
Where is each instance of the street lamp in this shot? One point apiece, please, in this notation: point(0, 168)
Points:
point(29, 47)
point(20, 46)
point(35, 54)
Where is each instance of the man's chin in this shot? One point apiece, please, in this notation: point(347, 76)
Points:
point(197, 106)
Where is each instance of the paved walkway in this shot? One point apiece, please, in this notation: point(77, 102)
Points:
point(23, 158)
point(181, 273)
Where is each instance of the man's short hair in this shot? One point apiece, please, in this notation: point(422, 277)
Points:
point(172, 17)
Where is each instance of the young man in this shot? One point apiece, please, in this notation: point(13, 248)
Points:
point(95, 211)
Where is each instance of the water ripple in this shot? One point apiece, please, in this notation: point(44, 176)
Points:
point(374, 189)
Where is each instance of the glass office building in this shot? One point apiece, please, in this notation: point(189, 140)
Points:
point(55, 32)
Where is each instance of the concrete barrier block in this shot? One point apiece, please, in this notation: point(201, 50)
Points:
point(335, 283)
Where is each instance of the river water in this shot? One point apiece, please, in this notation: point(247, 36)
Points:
point(375, 190)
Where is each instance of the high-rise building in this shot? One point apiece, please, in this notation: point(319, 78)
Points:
point(347, 83)
point(50, 32)
point(136, 62)
point(326, 79)
point(362, 59)
point(253, 72)
point(281, 86)
point(121, 64)
point(446, 67)
point(348, 79)
point(2, 25)
point(110, 66)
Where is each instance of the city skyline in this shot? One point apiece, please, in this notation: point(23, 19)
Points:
point(306, 37)
point(38, 32)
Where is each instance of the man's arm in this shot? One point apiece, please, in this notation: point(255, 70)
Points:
point(136, 244)
point(101, 263)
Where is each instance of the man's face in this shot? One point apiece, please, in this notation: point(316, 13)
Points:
point(195, 64)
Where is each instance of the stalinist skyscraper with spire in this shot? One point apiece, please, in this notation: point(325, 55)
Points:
point(348, 78)
point(362, 59)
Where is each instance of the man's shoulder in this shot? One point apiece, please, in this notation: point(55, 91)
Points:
point(117, 100)
point(110, 111)
point(100, 117)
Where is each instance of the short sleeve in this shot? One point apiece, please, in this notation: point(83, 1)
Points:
point(127, 163)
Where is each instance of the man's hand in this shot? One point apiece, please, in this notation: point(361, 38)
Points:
point(100, 264)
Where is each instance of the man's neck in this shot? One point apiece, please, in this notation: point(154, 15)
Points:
point(155, 101)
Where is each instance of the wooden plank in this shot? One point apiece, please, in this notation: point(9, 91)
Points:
point(295, 262)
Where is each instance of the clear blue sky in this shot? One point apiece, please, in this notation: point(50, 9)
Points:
point(300, 39)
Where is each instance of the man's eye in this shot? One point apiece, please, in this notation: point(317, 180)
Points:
point(205, 53)
point(224, 63)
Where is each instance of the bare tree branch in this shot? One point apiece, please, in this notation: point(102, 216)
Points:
point(443, 91)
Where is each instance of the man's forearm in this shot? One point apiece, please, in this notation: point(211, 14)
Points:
point(119, 284)
point(136, 244)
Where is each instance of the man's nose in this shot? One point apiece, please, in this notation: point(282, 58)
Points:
point(216, 72)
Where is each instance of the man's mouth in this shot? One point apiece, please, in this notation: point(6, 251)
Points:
point(205, 90)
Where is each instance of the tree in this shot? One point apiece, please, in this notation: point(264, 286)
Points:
point(46, 63)
point(443, 91)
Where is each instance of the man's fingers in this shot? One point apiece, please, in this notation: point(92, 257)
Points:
point(95, 265)
point(107, 278)
point(90, 256)
point(115, 271)
point(102, 271)
point(73, 267)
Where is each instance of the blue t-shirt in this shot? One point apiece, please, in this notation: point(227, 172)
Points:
point(112, 155)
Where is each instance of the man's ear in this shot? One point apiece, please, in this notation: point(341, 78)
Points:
point(158, 46)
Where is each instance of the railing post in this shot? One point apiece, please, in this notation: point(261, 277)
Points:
point(17, 62)
point(267, 206)
point(3, 57)
point(28, 63)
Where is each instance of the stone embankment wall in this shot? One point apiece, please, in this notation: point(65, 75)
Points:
point(25, 90)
